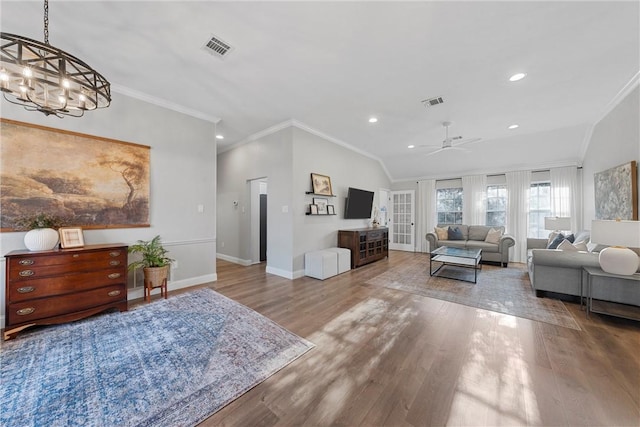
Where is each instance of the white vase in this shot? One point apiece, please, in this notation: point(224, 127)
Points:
point(41, 239)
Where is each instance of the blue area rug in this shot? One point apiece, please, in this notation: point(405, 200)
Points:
point(171, 363)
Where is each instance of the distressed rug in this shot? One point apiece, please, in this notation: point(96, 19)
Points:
point(170, 363)
point(503, 290)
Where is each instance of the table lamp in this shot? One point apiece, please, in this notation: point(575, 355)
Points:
point(619, 236)
point(557, 223)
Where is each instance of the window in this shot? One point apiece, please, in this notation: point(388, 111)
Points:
point(496, 205)
point(449, 205)
point(539, 207)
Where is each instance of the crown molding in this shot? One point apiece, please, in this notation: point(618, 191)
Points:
point(123, 90)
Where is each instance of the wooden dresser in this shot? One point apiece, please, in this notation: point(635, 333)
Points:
point(366, 244)
point(61, 285)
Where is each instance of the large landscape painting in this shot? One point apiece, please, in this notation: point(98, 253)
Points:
point(616, 192)
point(86, 181)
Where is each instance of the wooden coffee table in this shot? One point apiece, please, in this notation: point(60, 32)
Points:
point(457, 257)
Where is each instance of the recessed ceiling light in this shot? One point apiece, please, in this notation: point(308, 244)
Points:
point(518, 76)
point(513, 126)
point(219, 136)
point(373, 120)
point(411, 146)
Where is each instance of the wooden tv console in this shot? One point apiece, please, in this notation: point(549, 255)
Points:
point(61, 285)
point(366, 244)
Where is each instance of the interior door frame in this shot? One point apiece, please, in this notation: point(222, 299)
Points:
point(411, 247)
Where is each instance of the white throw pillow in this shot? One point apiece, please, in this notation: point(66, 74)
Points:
point(442, 233)
point(581, 246)
point(566, 245)
point(493, 236)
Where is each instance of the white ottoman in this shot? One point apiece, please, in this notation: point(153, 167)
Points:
point(321, 264)
point(344, 259)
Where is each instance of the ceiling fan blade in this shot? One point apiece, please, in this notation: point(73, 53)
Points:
point(467, 141)
point(435, 152)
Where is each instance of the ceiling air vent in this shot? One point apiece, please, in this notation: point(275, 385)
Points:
point(217, 47)
point(432, 101)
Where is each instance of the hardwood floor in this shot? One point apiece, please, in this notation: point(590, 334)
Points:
point(385, 357)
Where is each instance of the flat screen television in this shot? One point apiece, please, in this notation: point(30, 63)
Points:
point(359, 204)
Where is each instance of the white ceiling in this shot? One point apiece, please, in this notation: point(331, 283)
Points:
point(332, 65)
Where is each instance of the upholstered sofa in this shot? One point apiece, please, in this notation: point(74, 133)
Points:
point(561, 272)
point(473, 237)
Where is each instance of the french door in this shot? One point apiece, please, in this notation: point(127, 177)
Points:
point(402, 221)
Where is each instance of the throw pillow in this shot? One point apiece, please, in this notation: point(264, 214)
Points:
point(566, 245)
point(571, 238)
point(581, 246)
point(493, 236)
point(455, 234)
point(556, 241)
point(442, 233)
point(552, 236)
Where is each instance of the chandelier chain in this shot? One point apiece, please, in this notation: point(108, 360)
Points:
point(46, 21)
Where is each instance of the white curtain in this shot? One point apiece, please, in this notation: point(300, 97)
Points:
point(518, 186)
point(474, 202)
point(426, 212)
point(564, 191)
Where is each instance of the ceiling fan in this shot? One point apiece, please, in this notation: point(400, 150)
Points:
point(450, 142)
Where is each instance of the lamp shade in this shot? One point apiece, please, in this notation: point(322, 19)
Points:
point(557, 223)
point(617, 259)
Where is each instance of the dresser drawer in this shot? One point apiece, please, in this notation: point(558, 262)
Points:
point(80, 264)
point(37, 288)
point(67, 258)
point(374, 235)
point(26, 311)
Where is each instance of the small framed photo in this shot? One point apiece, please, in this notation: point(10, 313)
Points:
point(321, 184)
point(322, 203)
point(314, 209)
point(71, 237)
point(331, 210)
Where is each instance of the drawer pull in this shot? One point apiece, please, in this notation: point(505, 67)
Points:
point(113, 275)
point(25, 311)
point(26, 273)
point(114, 293)
point(114, 253)
point(115, 262)
point(26, 262)
point(26, 289)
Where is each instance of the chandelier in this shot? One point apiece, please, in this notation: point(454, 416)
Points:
point(43, 78)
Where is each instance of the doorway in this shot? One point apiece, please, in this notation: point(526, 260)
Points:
point(258, 220)
point(402, 221)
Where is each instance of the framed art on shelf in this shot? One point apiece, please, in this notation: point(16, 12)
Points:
point(321, 184)
point(71, 237)
point(322, 205)
point(314, 209)
point(331, 210)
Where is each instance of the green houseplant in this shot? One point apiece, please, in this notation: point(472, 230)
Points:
point(154, 263)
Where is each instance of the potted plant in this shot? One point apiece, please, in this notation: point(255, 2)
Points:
point(42, 234)
point(154, 262)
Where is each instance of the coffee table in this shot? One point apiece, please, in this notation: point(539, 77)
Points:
point(465, 258)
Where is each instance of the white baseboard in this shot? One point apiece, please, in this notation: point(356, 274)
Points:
point(245, 262)
point(279, 272)
point(298, 274)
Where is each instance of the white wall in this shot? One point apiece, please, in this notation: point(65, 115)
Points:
point(183, 176)
point(615, 140)
point(287, 158)
point(346, 168)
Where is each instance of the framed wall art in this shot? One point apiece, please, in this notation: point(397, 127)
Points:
point(87, 181)
point(331, 210)
point(71, 237)
point(616, 192)
point(313, 209)
point(321, 184)
point(322, 203)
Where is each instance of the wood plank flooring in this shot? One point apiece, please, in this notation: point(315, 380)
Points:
point(385, 357)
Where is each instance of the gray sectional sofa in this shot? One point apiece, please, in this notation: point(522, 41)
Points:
point(561, 272)
point(473, 237)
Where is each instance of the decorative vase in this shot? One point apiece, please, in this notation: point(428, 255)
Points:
point(41, 239)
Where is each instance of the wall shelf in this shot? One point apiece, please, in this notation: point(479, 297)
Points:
point(309, 213)
point(311, 193)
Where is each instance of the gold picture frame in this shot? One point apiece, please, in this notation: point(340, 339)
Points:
point(71, 237)
point(321, 184)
